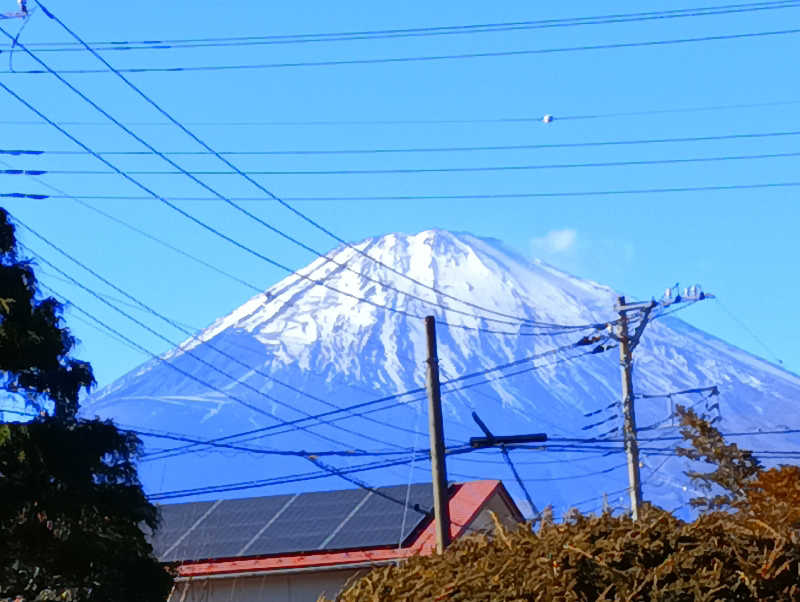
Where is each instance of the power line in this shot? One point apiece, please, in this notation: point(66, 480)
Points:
point(749, 331)
point(22, 195)
point(485, 381)
point(653, 451)
point(462, 387)
point(584, 475)
point(258, 185)
point(282, 423)
point(659, 424)
point(22, 172)
point(243, 247)
point(351, 470)
point(193, 336)
point(413, 59)
point(113, 299)
point(478, 391)
point(713, 389)
point(319, 475)
point(326, 472)
point(665, 313)
point(266, 451)
point(678, 437)
point(103, 328)
point(518, 372)
point(144, 233)
point(194, 329)
point(326, 469)
point(512, 195)
point(225, 199)
point(430, 121)
point(118, 45)
point(97, 328)
point(519, 480)
point(597, 497)
point(163, 243)
point(255, 434)
point(589, 455)
point(260, 432)
point(253, 484)
point(250, 285)
point(194, 378)
point(419, 149)
point(414, 170)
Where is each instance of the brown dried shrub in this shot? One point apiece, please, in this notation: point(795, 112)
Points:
point(749, 552)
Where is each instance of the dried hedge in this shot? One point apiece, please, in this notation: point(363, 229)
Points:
point(717, 557)
point(749, 552)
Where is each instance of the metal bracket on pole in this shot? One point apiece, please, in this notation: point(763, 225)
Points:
point(637, 334)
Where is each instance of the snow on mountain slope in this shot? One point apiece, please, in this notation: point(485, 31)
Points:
point(301, 349)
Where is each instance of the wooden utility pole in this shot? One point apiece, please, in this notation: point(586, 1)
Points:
point(628, 412)
point(441, 500)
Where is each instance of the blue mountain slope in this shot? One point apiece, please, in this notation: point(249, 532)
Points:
point(302, 349)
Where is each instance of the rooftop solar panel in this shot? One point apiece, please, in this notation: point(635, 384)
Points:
point(228, 528)
point(176, 522)
point(306, 523)
point(287, 524)
point(382, 520)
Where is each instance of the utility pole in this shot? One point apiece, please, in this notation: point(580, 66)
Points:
point(628, 412)
point(441, 500)
point(627, 343)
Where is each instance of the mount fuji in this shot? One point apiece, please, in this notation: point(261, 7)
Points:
point(322, 339)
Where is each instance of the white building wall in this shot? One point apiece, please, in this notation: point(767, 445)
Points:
point(291, 587)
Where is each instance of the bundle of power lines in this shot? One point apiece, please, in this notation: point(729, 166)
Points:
point(473, 316)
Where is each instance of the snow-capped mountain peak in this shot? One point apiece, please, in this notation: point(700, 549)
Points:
point(348, 328)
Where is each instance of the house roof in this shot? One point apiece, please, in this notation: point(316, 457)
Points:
point(290, 524)
point(371, 537)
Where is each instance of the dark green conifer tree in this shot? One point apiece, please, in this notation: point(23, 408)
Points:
point(72, 508)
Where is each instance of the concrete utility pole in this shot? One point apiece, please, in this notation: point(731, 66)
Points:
point(627, 343)
point(628, 412)
point(441, 500)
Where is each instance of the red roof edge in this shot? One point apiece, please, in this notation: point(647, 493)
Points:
point(465, 504)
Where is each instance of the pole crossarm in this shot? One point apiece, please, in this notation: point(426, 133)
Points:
point(479, 442)
point(492, 440)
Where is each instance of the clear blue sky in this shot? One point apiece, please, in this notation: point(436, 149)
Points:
point(740, 244)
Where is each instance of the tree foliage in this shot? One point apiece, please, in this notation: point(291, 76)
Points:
point(734, 468)
point(749, 552)
point(34, 345)
point(71, 506)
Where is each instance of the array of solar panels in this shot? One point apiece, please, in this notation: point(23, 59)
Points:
point(290, 524)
